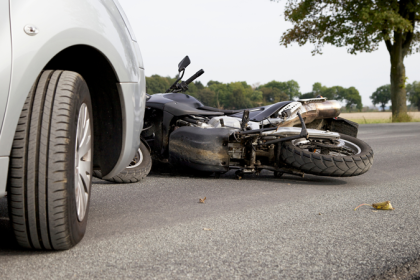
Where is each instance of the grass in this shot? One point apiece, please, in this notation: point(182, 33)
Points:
point(382, 118)
point(365, 121)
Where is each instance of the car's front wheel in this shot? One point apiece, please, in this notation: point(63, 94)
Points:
point(50, 171)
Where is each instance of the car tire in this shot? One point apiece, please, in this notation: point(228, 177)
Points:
point(50, 170)
point(138, 169)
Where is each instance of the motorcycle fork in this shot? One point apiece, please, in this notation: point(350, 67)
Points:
point(253, 153)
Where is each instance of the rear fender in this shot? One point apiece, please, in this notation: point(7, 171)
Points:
point(342, 126)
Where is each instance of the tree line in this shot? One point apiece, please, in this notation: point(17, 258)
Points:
point(382, 95)
point(240, 95)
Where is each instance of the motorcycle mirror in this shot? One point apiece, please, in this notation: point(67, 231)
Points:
point(184, 63)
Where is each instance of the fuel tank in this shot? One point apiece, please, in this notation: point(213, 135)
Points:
point(200, 149)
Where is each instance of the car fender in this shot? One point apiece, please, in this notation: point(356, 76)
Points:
point(5, 58)
point(66, 23)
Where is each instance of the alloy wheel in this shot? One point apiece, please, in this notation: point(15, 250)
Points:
point(82, 161)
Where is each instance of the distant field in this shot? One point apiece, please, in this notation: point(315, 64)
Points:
point(375, 117)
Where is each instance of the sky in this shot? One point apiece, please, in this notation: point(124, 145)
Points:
point(238, 40)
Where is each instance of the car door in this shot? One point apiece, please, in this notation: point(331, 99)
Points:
point(5, 57)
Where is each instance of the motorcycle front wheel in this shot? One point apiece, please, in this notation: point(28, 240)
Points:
point(136, 171)
point(347, 157)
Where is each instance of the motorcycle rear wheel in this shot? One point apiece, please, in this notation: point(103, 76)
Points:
point(356, 160)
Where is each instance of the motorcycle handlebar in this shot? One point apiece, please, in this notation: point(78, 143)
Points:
point(195, 76)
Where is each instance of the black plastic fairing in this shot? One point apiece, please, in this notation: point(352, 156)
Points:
point(261, 113)
point(182, 109)
point(200, 149)
point(178, 104)
point(227, 112)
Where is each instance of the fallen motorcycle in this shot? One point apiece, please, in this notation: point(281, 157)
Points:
point(294, 137)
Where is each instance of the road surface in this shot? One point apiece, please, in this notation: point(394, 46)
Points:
point(259, 227)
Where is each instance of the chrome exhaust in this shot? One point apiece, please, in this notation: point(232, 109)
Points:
point(310, 111)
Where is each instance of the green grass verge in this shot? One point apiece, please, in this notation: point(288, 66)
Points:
point(364, 121)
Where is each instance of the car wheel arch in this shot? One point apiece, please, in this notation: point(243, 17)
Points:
point(102, 82)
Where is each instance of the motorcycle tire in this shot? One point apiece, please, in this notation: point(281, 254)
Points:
point(329, 164)
point(138, 169)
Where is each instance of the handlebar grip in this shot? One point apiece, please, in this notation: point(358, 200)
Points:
point(195, 76)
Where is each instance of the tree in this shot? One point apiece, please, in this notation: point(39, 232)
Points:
point(307, 95)
point(319, 90)
point(257, 97)
point(413, 91)
point(241, 95)
point(207, 97)
point(291, 88)
point(273, 95)
point(382, 96)
point(350, 96)
point(158, 84)
point(222, 93)
point(360, 25)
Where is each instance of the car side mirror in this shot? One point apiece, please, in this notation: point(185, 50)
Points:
point(184, 63)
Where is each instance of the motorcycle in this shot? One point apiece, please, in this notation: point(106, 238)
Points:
point(300, 137)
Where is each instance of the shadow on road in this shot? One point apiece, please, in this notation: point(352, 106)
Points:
point(309, 180)
point(102, 182)
point(7, 239)
point(266, 176)
point(8, 244)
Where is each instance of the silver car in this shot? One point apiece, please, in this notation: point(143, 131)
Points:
point(72, 99)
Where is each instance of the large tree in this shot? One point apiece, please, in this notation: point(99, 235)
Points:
point(360, 25)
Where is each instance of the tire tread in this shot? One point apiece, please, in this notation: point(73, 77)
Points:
point(37, 175)
point(326, 165)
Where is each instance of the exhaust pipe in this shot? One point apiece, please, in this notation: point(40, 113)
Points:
point(314, 111)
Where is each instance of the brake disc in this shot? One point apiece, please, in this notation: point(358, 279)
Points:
point(337, 145)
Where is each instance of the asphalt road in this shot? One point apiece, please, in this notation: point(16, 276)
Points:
point(259, 227)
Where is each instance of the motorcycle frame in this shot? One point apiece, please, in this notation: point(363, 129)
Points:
point(164, 123)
